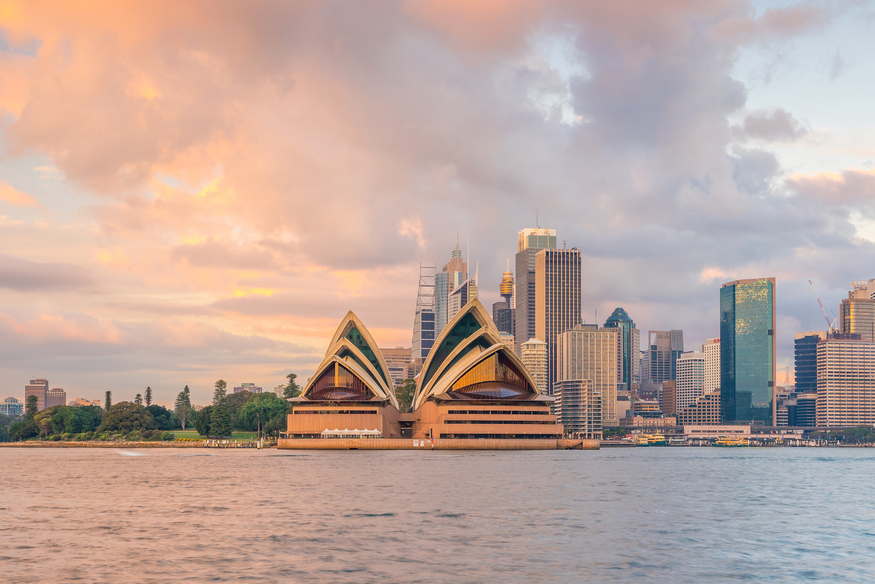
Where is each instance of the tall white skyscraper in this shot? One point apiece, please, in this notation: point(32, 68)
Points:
point(690, 378)
point(711, 349)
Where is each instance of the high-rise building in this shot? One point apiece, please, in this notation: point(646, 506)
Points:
point(56, 397)
point(531, 241)
point(578, 408)
point(804, 411)
point(690, 378)
point(424, 318)
point(845, 381)
point(805, 350)
point(629, 348)
point(557, 299)
point(589, 353)
point(39, 388)
point(665, 347)
point(460, 296)
point(250, 387)
point(747, 351)
point(711, 349)
point(668, 397)
point(397, 360)
point(502, 312)
point(857, 313)
point(446, 281)
point(11, 407)
point(533, 354)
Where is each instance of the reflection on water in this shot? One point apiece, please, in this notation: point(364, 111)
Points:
point(624, 515)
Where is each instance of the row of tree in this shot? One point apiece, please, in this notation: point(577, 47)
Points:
point(265, 413)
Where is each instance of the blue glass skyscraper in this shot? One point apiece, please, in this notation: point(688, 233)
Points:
point(747, 351)
point(629, 351)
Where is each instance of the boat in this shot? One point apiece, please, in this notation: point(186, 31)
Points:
point(726, 441)
point(656, 440)
point(642, 440)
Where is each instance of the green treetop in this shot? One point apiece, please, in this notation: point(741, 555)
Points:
point(292, 389)
point(31, 405)
point(148, 396)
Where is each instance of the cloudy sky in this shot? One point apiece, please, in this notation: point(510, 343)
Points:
point(201, 190)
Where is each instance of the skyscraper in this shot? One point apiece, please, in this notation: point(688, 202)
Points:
point(845, 381)
point(711, 349)
point(747, 351)
point(424, 318)
point(531, 241)
point(502, 312)
point(665, 347)
point(460, 296)
point(690, 378)
point(39, 388)
point(446, 281)
point(628, 350)
point(557, 299)
point(857, 313)
point(587, 352)
point(805, 350)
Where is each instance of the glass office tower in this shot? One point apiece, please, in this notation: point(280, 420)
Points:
point(747, 351)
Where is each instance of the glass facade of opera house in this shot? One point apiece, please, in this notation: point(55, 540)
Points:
point(472, 386)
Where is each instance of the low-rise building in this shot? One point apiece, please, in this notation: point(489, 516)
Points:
point(79, 402)
point(642, 422)
point(11, 407)
point(710, 431)
point(705, 410)
point(250, 387)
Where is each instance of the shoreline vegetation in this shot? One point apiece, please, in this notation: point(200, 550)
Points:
point(239, 416)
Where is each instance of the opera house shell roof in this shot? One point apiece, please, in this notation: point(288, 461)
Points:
point(470, 362)
point(353, 369)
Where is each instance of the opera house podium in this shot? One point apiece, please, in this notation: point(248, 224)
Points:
point(473, 393)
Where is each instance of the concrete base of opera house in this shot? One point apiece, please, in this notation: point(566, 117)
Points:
point(439, 444)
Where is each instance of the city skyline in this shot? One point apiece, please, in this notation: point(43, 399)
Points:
point(202, 193)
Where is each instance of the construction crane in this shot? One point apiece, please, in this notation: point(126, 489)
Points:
point(830, 325)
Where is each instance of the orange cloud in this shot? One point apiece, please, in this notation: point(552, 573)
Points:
point(15, 197)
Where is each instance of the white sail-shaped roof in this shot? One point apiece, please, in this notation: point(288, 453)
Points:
point(469, 353)
point(353, 368)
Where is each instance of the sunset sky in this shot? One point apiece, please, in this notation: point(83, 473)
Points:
point(200, 190)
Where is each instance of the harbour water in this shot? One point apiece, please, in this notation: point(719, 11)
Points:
point(616, 515)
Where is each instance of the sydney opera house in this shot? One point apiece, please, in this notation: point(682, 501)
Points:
point(472, 392)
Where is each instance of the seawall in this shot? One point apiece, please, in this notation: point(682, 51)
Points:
point(439, 444)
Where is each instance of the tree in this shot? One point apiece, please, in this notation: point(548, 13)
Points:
point(45, 424)
point(126, 417)
point(202, 421)
point(148, 396)
point(220, 417)
point(138, 399)
point(219, 392)
point(182, 408)
point(108, 402)
point(292, 389)
point(235, 403)
point(404, 393)
point(262, 409)
point(31, 405)
point(164, 419)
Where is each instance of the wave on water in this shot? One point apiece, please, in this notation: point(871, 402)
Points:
point(130, 453)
